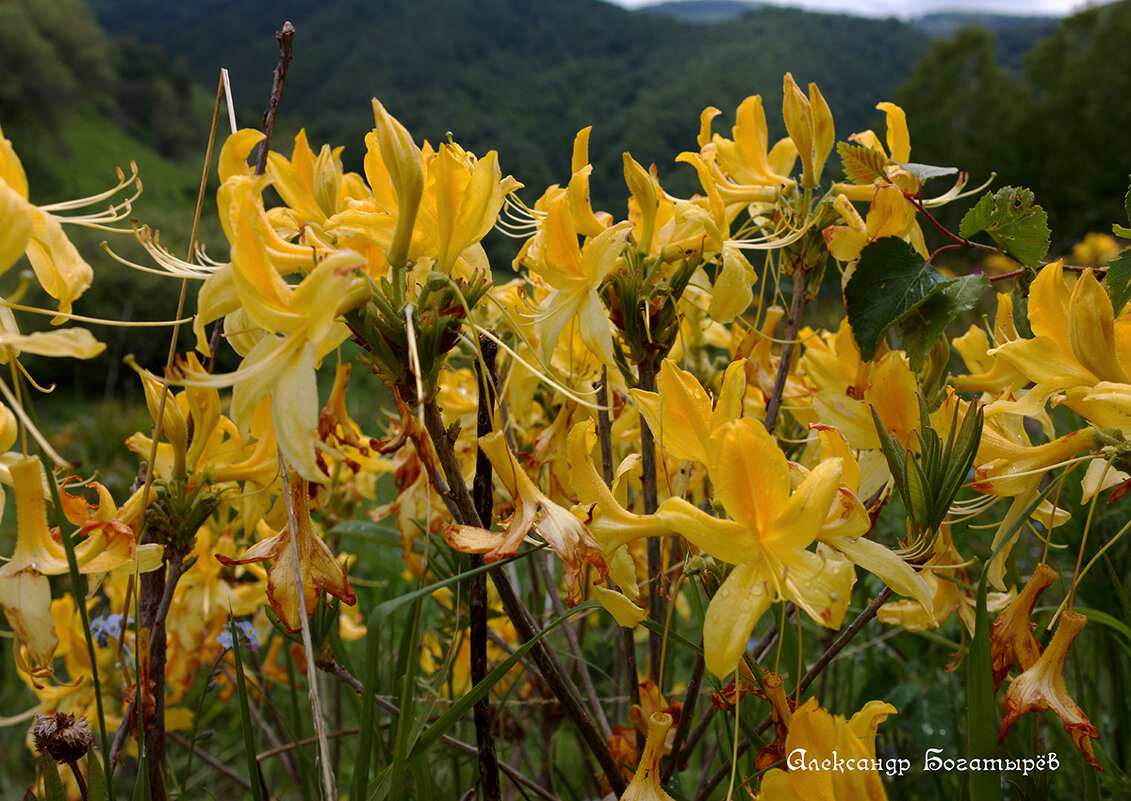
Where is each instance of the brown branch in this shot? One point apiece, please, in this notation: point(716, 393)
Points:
point(285, 38)
point(646, 381)
point(211, 760)
point(551, 668)
point(773, 403)
point(477, 608)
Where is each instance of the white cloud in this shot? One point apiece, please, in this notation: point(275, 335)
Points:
point(912, 8)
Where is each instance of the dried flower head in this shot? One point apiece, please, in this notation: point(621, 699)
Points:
point(62, 737)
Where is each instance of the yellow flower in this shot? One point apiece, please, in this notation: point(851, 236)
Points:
point(681, 414)
point(1075, 339)
point(1042, 687)
point(575, 273)
point(25, 593)
point(645, 784)
point(319, 568)
point(748, 161)
point(810, 125)
point(565, 534)
point(299, 327)
point(766, 539)
point(889, 214)
point(814, 736)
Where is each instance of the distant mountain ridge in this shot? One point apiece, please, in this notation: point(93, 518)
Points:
point(523, 77)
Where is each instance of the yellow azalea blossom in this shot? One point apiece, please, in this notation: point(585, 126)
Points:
point(766, 539)
point(319, 568)
point(810, 125)
point(849, 522)
point(565, 534)
point(575, 273)
point(1076, 341)
point(814, 736)
point(988, 373)
point(1042, 687)
point(645, 784)
point(890, 214)
point(747, 160)
point(25, 593)
point(300, 326)
point(681, 415)
point(37, 233)
point(1011, 636)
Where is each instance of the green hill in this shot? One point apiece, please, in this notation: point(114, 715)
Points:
point(522, 77)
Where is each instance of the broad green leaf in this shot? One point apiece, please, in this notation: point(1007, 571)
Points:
point(862, 165)
point(1018, 225)
point(921, 329)
point(925, 171)
point(890, 282)
point(1119, 280)
point(1120, 230)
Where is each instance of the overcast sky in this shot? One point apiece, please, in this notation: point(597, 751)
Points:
point(911, 8)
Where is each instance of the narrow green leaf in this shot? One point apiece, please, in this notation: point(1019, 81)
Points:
point(410, 642)
point(896, 458)
point(467, 701)
point(141, 782)
point(890, 282)
point(52, 784)
point(919, 506)
point(96, 787)
point(1013, 220)
point(245, 714)
point(981, 713)
point(929, 322)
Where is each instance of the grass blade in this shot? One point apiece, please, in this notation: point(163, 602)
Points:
point(464, 704)
point(245, 715)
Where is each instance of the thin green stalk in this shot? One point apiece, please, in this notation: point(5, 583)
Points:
point(245, 715)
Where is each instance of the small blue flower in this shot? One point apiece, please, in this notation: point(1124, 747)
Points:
point(107, 627)
point(248, 636)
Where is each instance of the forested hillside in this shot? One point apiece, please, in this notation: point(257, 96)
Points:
point(523, 77)
point(1061, 125)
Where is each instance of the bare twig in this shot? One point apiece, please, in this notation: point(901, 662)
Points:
point(773, 403)
point(552, 671)
point(285, 38)
point(477, 608)
point(211, 760)
point(647, 381)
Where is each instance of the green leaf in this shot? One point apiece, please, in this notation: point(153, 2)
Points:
point(930, 321)
point(1120, 230)
point(1018, 225)
point(862, 165)
point(96, 787)
point(245, 715)
point(890, 282)
point(1119, 280)
point(981, 713)
point(926, 171)
point(52, 784)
